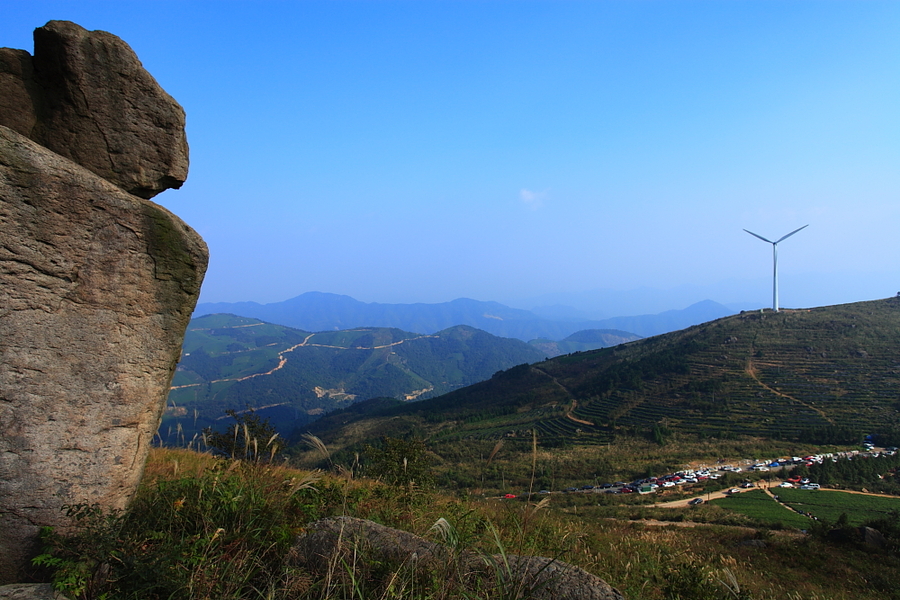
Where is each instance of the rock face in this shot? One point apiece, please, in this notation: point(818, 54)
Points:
point(86, 96)
point(97, 286)
point(328, 541)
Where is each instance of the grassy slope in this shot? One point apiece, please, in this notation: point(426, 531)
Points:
point(213, 528)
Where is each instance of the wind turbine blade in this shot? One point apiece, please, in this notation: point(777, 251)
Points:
point(762, 238)
point(792, 233)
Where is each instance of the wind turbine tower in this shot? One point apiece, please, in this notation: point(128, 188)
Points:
point(775, 262)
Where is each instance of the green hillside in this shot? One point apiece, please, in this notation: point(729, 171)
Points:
point(825, 375)
point(232, 362)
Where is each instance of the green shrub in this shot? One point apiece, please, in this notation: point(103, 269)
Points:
point(217, 535)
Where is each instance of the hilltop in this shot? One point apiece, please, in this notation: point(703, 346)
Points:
point(586, 339)
point(823, 375)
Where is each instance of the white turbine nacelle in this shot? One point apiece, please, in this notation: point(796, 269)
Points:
point(775, 262)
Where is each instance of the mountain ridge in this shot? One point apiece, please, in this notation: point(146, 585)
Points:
point(320, 311)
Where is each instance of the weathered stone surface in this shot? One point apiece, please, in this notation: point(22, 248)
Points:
point(872, 537)
point(866, 536)
point(96, 289)
point(86, 96)
point(18, 91)
point(535, 577)
point(29, 591)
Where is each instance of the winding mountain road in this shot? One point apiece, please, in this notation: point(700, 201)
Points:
point(282, 359)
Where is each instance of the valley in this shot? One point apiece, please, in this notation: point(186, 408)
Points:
point(292, 376)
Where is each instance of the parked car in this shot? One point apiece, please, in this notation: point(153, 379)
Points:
point(733, 491)
point(786, 484)
point(810, 486)
point(509, 496)
point(696, 501)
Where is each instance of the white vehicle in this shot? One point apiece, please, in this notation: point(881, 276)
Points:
point(810, 486)
point(785, 484)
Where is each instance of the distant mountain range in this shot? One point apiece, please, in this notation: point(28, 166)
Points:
point(824, 375)
point(317, 311)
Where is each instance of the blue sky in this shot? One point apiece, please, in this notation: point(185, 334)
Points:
point(522, 151)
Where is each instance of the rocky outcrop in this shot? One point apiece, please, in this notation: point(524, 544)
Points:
point(864, 536)
point(86, 96)
point(327, 542)
point(29, 591)
point(96, 289)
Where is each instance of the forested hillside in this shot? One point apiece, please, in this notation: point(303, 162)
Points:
point(290, 375)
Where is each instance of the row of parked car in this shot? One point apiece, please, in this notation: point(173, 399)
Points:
point(802, 482)
point(652, 484)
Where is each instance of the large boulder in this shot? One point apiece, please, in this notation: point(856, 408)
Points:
point(86, 96)
point(96, 290)
point(346, 540)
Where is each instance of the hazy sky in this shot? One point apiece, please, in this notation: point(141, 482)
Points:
point(423, 151)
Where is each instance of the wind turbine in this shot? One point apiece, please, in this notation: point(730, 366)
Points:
point(775, 262)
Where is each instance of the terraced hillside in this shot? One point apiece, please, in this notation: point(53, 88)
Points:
point(818, 374)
